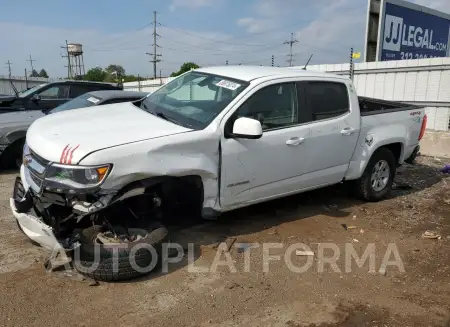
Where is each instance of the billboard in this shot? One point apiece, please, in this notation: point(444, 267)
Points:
point(406, 31)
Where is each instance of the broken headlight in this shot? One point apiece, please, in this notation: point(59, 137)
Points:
point(75, 177)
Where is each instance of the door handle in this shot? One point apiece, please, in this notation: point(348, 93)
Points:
point(348, 131)
point(295, 141)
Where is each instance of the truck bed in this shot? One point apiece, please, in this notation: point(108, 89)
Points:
point(370, 106)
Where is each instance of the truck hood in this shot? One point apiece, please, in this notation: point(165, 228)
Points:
point(19, 118)
point(69, 136)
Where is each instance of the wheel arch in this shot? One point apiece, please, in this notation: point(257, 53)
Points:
point(358, 165)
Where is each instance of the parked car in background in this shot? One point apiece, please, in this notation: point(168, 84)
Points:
point(14, 125)
point(50, 95)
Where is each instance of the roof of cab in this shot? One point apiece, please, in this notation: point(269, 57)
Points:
point(249, 73)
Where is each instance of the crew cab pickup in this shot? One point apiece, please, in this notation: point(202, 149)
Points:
point(210, 141)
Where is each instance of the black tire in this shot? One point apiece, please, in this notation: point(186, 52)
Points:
point(84, 255)
point(11, 158)
point(364, 188)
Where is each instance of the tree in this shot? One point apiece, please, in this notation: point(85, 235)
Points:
point(114, 72)
point(34, 73)
point(187, 66)
point(96, 74)
point(43, 73)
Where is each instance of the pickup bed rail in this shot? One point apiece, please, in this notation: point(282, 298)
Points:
point(370, 106)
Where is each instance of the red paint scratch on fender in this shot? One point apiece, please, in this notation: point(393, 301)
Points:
point(63, 153)
point(67, 154)
point(71, 154)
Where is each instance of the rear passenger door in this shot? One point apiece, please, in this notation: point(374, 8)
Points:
point(334, 130)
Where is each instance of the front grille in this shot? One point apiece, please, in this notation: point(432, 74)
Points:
point(35, 166)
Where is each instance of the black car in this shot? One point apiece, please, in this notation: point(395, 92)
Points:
point(98, 98)
point(50, 95)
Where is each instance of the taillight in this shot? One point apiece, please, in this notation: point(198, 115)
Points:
point(424, 127)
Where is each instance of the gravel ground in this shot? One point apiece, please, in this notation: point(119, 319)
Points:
point(419, 296)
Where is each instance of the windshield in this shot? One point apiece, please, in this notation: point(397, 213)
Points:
point(193, 100)
point(85, 100)
point(25, 93)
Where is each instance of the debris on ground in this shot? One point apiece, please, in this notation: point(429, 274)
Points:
point(431, 235)
point(447, 201)
point(93, 283)
point(346, 227)
point(446, 169)
point(304, 253)
point(382, 270)
point(362, 231)
point(355, 240)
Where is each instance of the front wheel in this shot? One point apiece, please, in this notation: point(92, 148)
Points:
point(376, 182)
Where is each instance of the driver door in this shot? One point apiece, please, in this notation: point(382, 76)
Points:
point(254, 170)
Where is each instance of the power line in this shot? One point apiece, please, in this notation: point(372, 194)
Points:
point(291, 43)
point(155, 55)
point(209, 39)
point(31, 63)
point(117, 37)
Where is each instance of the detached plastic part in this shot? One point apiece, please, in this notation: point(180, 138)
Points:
point(446, 169)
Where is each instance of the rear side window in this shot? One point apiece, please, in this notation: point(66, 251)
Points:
point(327, 99)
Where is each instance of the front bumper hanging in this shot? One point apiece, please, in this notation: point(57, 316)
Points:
point(22, 209)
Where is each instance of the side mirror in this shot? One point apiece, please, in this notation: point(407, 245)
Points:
point(36, 97)
point(247, 128)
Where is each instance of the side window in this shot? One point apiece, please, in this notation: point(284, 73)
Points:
point(275, 106)
point(77, 90)
point(55, 92)
point(327, 99)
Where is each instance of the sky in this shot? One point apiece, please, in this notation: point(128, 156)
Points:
point(207, 32)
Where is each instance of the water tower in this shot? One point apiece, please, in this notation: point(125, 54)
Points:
point(76, 61)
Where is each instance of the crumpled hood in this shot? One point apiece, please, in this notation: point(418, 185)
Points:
point(69, 136)
point(19, 118)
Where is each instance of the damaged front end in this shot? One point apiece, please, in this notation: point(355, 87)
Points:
point(51, 201)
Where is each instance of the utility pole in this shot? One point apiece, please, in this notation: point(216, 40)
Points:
point(31, 63)
point(9, 68)
point(273, 60)
point(155, 55)
point(351, 64)
point(291, 43)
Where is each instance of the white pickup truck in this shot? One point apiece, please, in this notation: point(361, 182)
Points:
point(212, 140)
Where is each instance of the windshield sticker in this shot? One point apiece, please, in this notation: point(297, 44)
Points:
point(228, 85)
point(93, 100)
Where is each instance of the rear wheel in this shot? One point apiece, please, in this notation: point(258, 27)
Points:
point(378, 177)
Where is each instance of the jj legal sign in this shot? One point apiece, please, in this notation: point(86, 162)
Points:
point(409, 31)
